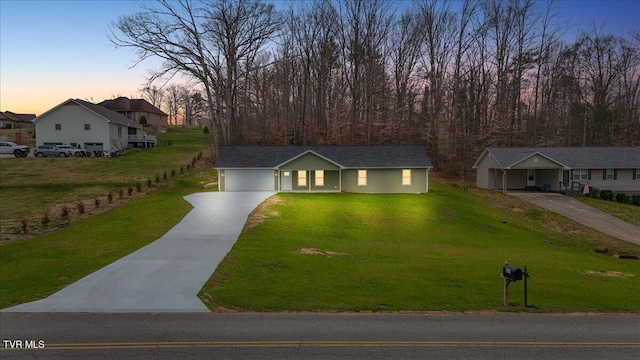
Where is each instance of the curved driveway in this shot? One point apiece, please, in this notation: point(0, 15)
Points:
point(166, 275)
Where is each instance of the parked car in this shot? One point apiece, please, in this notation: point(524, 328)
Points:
point(7, 147)
point(50, 150)
point(73, 150)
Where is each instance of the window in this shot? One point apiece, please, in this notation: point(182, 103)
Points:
point(319, 177)
point(636, 174)
point(609, 174)
point(362, 177)
point(87, 127)
point(580, 174)
point(302, 178)
point(119, 132)
point(58, 127)
point(286, 173)
point(406, 177)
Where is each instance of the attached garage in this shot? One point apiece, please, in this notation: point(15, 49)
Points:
point(248, 180)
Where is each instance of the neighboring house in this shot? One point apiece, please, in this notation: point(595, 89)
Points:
point(156, 119)
point(361, 169)
point(9, 120)
point(92, 127)
point(559, 168)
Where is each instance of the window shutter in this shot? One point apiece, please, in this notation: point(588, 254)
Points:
point(589, 176)
point(635, 174)
point(615, 174)
point(604, 174)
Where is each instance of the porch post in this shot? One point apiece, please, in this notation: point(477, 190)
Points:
point(340, 179)
point(309, 180)
point(504, 181)
point(427, 182)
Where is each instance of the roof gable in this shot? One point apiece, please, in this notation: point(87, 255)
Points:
point(104, 113)
point(346, 156)
point(571, 157)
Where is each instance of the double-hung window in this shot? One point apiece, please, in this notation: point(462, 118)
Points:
point(580, 174)
point(609, 174)
point(406, 177)
point(302, 178)
point(636, 174)
point(319, 177)
point(58, 127)
point(362, 177)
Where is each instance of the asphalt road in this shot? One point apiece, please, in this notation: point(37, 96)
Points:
point(321, 336)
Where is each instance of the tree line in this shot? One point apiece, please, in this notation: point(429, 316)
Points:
point(454, 76)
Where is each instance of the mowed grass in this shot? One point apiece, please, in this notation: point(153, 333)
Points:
point(35, 268)
point(29, 187)
point(627, 212)
point(438, 251)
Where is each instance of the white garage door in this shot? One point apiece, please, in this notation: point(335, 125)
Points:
point(249, 180)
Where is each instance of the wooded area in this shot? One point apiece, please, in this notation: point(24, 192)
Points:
point(455, 77)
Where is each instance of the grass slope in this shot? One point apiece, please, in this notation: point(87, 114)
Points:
point(626, 212)
point(438, 251)
point(35, 268)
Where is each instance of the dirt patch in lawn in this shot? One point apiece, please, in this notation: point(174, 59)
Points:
point(618, 274)
point(262, 212)
point(312, 251)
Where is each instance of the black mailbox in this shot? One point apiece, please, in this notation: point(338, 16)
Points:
point(510, 272)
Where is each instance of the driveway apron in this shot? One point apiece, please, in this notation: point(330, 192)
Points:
point(166, 275)
point(583, 214)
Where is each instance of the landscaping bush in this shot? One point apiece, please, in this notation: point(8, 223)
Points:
point(130, 190)
point(181, 170)
point(206, 130)
point(173, 172)
point(64, 212)
point(149, 183)
point(635, 200)
point(622, 198)
point(25, 225)
point(606, 195)
point(157, 178)
point(45, 219)
point(164, 176)
point(139, 186)
point(96, 202)
point(120, 193)
point(110, 197)
point(595, 193)
point(80, 207)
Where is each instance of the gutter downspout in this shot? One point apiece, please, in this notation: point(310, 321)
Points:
point(427, 182)
point(504, 181)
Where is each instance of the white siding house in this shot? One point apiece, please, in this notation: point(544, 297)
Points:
point(89, 126)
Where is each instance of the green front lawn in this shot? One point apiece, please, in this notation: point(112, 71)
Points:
point(438, 251)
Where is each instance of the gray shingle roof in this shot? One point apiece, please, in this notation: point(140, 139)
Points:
point(109, 114)
point(574, 157)
point(348, 156)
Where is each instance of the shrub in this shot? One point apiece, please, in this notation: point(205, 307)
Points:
point(193, 161)
point(188, 167)
point(595, 193)
point(200, 155)
point(149, 183)
point(157, 178)
point(164, 176)
point(80, 207)
point(24, 224)
point(206, 130)
point(45, 219)
point(130, 190)
point(606, 195)
point(120, 193)
point(622, 198)
point(139, 186)
point(96, 202)
point(64, 212)
point(110, 197)
point(173, 172)
point(635, 200)
point(181, 170)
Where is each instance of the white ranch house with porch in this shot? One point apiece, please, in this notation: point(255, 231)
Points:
point(362, 169)
point(561, 169)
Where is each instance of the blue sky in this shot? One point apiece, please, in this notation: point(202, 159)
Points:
point(54, 50)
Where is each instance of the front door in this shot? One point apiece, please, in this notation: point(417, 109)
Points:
point(531, 177)
point(565, 179)
point(286, 181)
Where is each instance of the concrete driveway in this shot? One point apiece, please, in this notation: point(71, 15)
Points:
point(583, 214)
point(166, 275)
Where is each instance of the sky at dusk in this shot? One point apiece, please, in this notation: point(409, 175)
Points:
point(51, 51)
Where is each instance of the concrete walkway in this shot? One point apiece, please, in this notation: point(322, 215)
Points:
point(166, 275)
point(583, 214)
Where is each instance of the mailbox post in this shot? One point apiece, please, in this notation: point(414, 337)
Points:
point(509, 274)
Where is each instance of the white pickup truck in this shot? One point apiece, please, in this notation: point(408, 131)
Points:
point(7, 147)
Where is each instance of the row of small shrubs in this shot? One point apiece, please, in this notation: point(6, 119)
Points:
point(618, 197)
point(65, 211)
